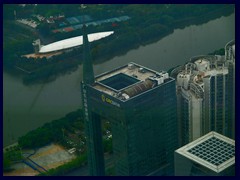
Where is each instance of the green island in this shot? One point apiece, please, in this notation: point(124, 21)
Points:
point(148, 23)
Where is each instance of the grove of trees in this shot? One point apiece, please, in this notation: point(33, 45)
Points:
point(50, 132)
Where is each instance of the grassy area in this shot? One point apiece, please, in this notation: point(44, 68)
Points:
point(67, 167)
point(11, 155)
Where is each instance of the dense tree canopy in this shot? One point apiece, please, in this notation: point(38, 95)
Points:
point(49, 132)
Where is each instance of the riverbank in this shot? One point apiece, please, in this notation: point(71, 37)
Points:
point(28, 107)
point(126, 38)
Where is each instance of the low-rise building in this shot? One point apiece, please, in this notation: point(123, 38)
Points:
point(210, 155)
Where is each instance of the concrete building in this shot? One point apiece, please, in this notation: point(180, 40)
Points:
point(190, 104)
point(140, 105)
point(203, 97)
point(210, 155)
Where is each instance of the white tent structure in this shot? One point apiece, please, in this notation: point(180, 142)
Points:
point(72, 42)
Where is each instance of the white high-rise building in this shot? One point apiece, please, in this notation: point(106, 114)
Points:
point(206, 95)
point(230, 63)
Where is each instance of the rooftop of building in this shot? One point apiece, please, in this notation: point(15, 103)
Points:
point(191, 77)
point(129, 80)
point(213, 151)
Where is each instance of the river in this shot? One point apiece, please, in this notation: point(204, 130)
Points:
point(28, 107)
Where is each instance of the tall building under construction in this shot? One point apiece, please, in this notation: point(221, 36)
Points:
point(140, 104)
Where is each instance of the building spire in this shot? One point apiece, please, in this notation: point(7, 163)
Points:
point(88, 75)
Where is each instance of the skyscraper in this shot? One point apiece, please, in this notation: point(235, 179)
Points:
point(210, 155)
point(230, 63)
point(203, 97)
point(92, 123)
point(141, 106)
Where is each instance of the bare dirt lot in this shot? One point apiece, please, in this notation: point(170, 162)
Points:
point(50, 156)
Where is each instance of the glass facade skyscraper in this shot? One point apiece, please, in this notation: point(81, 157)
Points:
point(141, 106)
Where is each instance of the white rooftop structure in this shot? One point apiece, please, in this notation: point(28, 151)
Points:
point(195, 72)
point(213, 151)
point(73, 42)
point(202, 64)
point(129, 81)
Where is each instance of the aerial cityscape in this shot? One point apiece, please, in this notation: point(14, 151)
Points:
point(118, 90)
